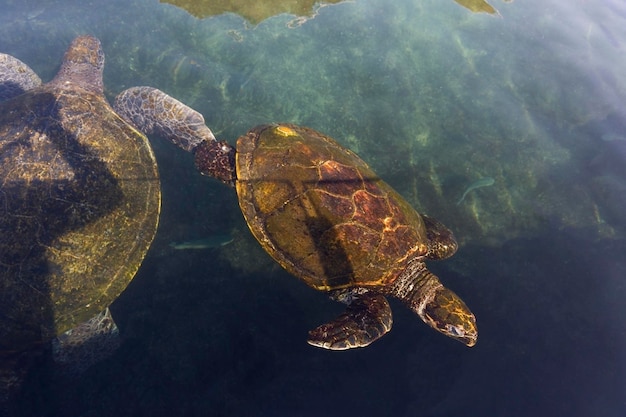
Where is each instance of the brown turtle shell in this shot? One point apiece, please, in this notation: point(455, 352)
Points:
point(321, 212)
point(79, 206)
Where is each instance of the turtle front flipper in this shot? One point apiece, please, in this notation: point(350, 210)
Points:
point(15, 77)
point(154, 112)
point(366, 319)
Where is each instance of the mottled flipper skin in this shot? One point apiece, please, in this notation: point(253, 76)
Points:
point(77, 349)
point(366, 319)
point(15, 77)
point(154, 112)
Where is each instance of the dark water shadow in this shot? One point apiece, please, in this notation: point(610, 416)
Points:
point(551, 320)
point(209, 340)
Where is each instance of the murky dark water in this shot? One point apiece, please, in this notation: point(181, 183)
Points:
point(434, 98)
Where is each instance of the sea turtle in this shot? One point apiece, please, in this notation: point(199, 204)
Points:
point(326, 217)
point(79, 200)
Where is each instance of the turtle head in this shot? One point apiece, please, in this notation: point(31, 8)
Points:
point(216, 159)
point(83, 64)
point(436, 305)
point(445, 312)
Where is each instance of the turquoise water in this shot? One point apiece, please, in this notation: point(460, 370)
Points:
point(433, 97)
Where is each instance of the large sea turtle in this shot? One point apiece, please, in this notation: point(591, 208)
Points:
point(79, 201)
point(326, 217)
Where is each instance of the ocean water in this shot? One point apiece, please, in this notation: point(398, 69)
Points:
point(435, 98)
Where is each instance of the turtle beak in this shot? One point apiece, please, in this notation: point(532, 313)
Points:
point(448, 314)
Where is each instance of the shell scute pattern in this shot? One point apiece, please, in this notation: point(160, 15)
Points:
point(322, 212)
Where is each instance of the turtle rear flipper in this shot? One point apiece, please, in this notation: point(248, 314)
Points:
point(88, 343)
point(366, 319)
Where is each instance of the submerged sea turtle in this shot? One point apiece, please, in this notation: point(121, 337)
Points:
point(324, 215)
point(79, 200)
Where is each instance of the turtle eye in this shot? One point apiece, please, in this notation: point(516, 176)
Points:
point(455, 330)
point(463, 334)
